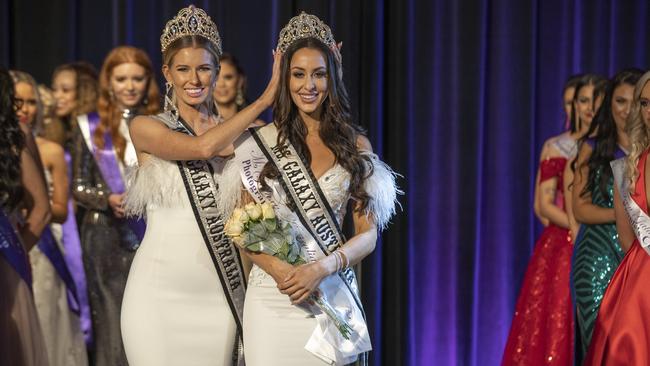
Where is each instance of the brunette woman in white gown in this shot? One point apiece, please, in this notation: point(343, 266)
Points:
point(176, 310)
point(312, 129)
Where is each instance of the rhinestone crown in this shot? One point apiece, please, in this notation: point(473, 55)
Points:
point(305, 26)
point(190, 21)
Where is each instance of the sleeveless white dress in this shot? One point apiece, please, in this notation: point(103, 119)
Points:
point(174, 310)
point(61, 328)
point(276, 332)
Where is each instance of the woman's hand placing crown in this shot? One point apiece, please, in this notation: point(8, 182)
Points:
point(268, 96)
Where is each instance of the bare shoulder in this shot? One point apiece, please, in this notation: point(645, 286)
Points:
point(363, 143)
point(144, 124)
point(549, 149)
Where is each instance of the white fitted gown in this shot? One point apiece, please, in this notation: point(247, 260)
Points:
point(174, 310)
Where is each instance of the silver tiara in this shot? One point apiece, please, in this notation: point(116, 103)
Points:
point(190, 21)
point(305, 26)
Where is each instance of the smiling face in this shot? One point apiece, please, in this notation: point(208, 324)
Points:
point(64, 90)
point(192, 72)
point(26, 100)
point(128, 83)
point(308, 81)
point(228, 82)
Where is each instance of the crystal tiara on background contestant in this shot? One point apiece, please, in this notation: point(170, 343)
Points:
point(305, 26)
point(190, 21)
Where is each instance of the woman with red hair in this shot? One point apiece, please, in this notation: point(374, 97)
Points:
point(103, 157)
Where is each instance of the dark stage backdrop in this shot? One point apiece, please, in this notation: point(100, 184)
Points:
point(458, 96)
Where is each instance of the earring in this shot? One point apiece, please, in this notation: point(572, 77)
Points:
point(239, 99)
point(111, 94)
point(170, 107)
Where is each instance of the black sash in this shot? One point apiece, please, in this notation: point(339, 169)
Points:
point(202, 192)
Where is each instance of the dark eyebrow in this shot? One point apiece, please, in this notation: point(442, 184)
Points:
point(297, 67)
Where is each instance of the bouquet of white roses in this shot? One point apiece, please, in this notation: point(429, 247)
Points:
point(256, 228)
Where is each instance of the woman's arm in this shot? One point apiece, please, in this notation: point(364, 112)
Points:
point(152, 137)
point(625, 232)
point(567, 178)
point(303, 280)
point(583, 209)
point(548, 209)
point(537, 192)
point(536, 202)
point(59, 172)
point(37, 200)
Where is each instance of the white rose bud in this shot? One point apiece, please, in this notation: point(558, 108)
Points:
point(253, 210)
point(240, 215)
point(267, 211)
point(234, 229)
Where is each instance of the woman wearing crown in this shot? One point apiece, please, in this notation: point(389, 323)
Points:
point(309, 164)
point(184, 297)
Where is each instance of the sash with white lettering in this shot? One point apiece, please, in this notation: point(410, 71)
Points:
point(202, 191)
point(318, 219)
point(640, 220)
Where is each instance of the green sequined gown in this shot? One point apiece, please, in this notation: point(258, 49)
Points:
point(596, 256)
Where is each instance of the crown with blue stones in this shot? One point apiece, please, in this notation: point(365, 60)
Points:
point(190, 21)
point(305, 26)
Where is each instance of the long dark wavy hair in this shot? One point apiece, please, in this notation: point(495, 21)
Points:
point(337, 130)
point(605, 135)
point(12, 141)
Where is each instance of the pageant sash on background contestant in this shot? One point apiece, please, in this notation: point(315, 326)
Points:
point(74, 260)
point(110, 169)
point(13, 251)
point(47, 244)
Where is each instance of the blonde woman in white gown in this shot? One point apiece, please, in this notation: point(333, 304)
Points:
point(184, 295)
point(310, 163)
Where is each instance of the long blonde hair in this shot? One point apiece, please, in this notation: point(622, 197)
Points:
point(637, 132)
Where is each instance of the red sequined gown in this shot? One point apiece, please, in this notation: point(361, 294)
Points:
point(622, 331)
point(542, 327)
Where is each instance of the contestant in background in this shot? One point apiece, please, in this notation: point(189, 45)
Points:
point(185, 291)
point(545, 292)
point(597, 252)
point(55, 293)
point(230, 90)
point(586, 101)
point(74, 91)
point(621, 334)
point(22, 190)
point(562, 141)
point(103, 156)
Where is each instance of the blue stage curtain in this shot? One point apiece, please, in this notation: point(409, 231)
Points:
point(458, 96)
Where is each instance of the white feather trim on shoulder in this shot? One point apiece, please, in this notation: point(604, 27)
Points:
point(230, 188)
point(382, 188)
point(156, 182)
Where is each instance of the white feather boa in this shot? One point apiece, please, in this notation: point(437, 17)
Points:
point(158, 183)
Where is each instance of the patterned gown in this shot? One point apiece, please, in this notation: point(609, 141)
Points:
point(621, 335)
point(596, 256)
point(542, 327)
